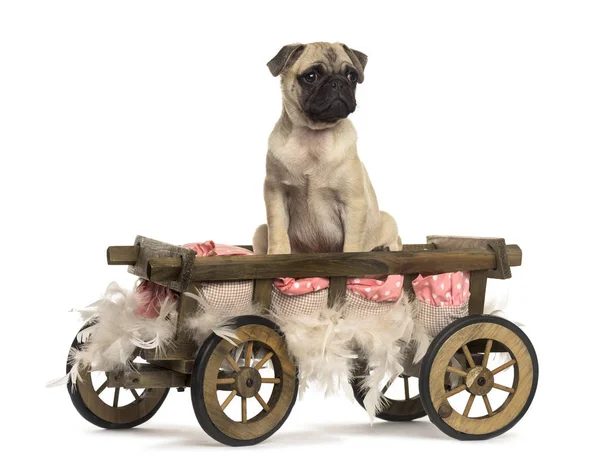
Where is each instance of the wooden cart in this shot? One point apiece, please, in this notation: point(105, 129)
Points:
point(260, 374)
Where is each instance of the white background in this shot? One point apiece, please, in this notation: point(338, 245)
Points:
point(125, 118)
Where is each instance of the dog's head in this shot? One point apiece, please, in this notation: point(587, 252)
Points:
point(318, 81)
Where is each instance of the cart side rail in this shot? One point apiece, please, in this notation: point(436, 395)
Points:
point(350, 264)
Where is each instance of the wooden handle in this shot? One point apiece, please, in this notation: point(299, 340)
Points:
point(351, 264)
point(122, 255)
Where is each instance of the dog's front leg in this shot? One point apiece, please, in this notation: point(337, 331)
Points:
point(277, 219)
point(355, 224)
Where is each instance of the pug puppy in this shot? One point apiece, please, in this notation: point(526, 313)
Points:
point(317, 192)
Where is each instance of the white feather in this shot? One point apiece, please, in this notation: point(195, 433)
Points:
point(117, 332)
point(326, 343)
point(208, 319)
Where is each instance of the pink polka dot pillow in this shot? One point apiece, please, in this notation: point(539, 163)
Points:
point(229, 296)
point(290, 286)
point(365, 297)
point(386, 290)
point(441, 299)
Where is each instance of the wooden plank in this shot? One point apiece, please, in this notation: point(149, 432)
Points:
point(188, 307)
point(146, 376)
point(262, 293)
point(351, 264)
point(418, 247)
point(337, 291)
point(122, 255)
point(502, 268)
point(181, 366)
point(478, 282)
point(407, 285)
point(181, 349)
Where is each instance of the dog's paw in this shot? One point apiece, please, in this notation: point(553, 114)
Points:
point(279, 250)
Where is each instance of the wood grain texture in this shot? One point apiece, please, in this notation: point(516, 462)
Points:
point(122, 255)
point(351, 264)
point(134, 411)
point(522, 384)
point(262, 294)
point(188, 306)
point(146, 376)
point(502, 268)
point(180, 366)
point(182, 349)
point(337, 291)
point(477, 285)
point(281, 398)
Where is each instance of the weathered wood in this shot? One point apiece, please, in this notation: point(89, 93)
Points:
point(182, 349)
point(407, 285)
point(352, 264)
point(188, 306)
point(418, 247)
point(122, 255)
point(181, 366)
point(282, 394)
point(262, 293)
point(478, 282)
point(516, 400)
point(498, 245)
point(146, 376)
point(337, 291)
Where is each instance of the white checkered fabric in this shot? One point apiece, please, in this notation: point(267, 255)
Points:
point(434, 319)
point(230, 296)
point(288, 306)
point(363, 308)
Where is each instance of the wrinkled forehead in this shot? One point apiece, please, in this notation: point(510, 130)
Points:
point(331, 57)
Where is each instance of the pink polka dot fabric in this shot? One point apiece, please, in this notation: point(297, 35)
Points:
point(290, 286)
point(222, 294)
point(441, 300)
point(386, 290)
point(443, 290)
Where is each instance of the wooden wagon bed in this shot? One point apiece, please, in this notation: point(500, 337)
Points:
point(210, 367)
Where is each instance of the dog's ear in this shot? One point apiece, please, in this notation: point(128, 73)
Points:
point(359, 60)
point(286, 57)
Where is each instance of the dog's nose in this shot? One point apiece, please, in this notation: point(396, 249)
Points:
point(337, 84)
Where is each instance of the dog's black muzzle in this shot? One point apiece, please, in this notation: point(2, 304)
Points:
point(333, 101)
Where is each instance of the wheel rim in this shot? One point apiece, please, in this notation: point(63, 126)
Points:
point(116, 405)
point(406, 405)
point(245, 375)
point(478, 379)
point(400, 396)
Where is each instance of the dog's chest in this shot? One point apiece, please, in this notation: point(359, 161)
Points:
point(311, 184)
point(303, 153)
point(309, 159)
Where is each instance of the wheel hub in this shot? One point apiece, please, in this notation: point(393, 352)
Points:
point(479, 381)
point(247, 382)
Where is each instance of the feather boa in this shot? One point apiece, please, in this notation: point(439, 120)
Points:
point(327, 343)
point(114, 331)
point(209, 318)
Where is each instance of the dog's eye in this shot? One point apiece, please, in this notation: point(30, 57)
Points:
point(310, 77)
point(352, 76)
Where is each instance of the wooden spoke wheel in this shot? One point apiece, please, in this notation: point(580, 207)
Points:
point(401, 399)
point(501, 393)
point(243, 394)
point(112, 408)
